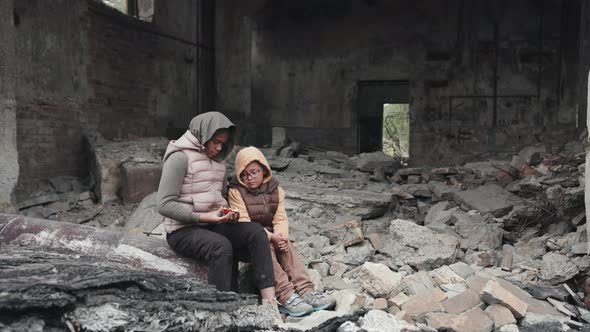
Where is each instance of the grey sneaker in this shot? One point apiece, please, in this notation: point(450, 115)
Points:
point(295, 306)
point(319, 301)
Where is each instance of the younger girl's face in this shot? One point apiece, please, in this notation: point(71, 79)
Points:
point(252, 175)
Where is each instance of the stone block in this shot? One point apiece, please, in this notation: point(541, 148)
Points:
point(445, 275)
point(461, 302)
point(139, 180)
point(469, 321)
point(489, 198)
point(378, 279)
point(441, 190)
point(434, 250)
point(347, 301)
point(493, 293)
point(500, 315)
point(453, 290)
point(380, 304)
point(348, 233)
point(422, 303)
point(557, 269)
point(462, 269)
point(398, 300)
point(417, 282)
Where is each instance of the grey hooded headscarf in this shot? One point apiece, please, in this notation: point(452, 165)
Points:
point(204, 126)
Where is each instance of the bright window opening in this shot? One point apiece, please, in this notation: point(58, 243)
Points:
point(142, 9)
point(396, 130)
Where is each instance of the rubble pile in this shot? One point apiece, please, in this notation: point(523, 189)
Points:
point(497, 245)
point(493, 245)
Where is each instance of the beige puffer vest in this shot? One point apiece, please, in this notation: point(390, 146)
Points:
point(203, 183)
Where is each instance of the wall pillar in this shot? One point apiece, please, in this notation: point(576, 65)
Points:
point(587, 168)
point(8, 150)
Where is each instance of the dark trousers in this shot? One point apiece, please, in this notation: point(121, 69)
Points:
point(221, 246)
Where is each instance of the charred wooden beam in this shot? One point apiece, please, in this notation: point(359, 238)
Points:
point(130, 249)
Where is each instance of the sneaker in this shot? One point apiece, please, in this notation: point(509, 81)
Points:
point(319, 301)
point(295, 306)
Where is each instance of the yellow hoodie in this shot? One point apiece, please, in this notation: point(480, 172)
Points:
point(243, 159)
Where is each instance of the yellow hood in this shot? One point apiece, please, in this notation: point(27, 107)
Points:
point(245, 157)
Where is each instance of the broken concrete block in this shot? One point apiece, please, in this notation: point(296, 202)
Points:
point(462, 269)
point(358, 253)
point(377, 320)
point(485, 258)
point(417, 282)
point(489, 198)
point(544, 322)
point(107, 158)
point(580, 248)
point(422, 303)
point(441, 190)
point(378, 279)
point(453, 290)
point(462, 302)
point(347, 301)
point(398, 300)
point(367, 162)
point(500, 315)
point(438, 214)
point(434, 250)
point(493, 293)
point(470, 321)
point(476, 233)
point(347, 234)
point(445, 275)
point(380, 304)
point(557, 269)
point(138, 180)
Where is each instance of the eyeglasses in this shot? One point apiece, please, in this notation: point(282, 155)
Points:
point(244, 175)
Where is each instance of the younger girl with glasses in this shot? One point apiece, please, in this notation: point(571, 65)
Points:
point(258, 197)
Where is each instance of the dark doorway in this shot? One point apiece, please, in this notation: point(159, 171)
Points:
point(372, 95)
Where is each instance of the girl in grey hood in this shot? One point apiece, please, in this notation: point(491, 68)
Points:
point(190, 197)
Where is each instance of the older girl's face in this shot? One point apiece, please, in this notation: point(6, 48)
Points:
point(252, 175)
point(215, 145)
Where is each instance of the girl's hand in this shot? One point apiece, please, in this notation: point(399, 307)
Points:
point(234, 216)
point(215, 217)
point(280, 242)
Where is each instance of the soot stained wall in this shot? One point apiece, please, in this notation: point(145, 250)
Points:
point(485, 78)
point(86, 69)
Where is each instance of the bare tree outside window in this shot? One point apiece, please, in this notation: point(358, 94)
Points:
point(396, 130)
point(120, 5)
point(142, 9)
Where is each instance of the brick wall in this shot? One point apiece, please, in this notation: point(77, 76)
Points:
point(87, 69)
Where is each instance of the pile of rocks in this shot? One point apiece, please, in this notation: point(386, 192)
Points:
point(492, 245)
point(489, 245)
